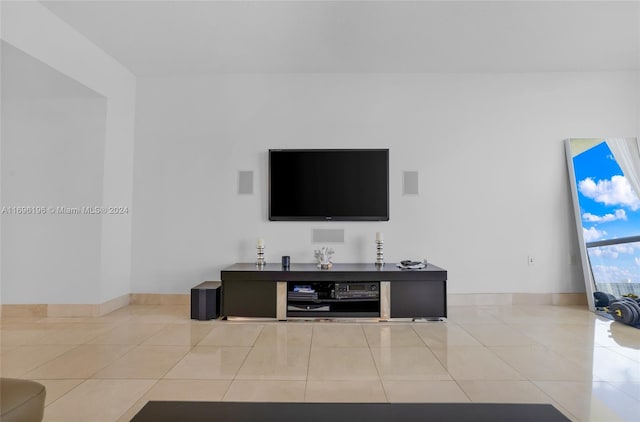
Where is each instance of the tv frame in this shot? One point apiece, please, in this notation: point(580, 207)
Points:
point(328, 218)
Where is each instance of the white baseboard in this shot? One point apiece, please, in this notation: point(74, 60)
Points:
point(160, 299)
point(65, 310)
point(27, 310)
point(506, 299)
point(479, 299)
point(96, 310)
point(114, 304)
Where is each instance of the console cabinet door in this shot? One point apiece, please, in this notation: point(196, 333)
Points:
point(418, 299)
point(255, 299)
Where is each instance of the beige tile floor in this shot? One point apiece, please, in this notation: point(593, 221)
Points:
point(107, 368)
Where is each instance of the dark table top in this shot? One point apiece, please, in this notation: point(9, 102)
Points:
point(338, 272)
point(157, 411)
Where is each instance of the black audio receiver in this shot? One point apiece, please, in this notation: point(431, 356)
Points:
point(357, 290)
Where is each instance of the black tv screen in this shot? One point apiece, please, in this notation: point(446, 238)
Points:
point(329, 184)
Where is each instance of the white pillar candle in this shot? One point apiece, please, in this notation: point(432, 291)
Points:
point(260, 243)
point(379, 236)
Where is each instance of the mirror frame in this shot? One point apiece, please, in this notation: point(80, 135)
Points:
point(589, 282)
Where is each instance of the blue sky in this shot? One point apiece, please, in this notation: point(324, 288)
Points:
point(610, 209)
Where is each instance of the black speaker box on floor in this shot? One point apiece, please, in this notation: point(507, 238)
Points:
point(205, 300)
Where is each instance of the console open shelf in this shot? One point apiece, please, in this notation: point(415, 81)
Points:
point(333, 299)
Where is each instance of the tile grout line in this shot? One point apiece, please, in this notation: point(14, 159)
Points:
point(235, 375)
point(447, 369)
point(140, 398)
point(380, 377)
point(72, 388)
point(551, 398)
point(306, 378)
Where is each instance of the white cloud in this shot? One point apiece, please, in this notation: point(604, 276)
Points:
point(616, 191)
point(613, 274)
point(637, 259)
point(604, 253)
point(623, 249)
point(592, 218)
point(612, 251)
point(592, 234)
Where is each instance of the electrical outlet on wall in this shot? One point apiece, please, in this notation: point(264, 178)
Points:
point(530, 260)
point(573, 259)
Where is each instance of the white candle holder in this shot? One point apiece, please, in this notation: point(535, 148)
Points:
point(379, 252)
point(260, 256)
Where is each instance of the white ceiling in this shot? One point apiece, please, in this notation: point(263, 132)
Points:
point(191, 37)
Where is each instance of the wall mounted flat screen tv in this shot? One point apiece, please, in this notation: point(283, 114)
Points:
point(329, 184)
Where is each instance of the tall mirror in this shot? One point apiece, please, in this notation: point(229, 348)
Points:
point(605, 181)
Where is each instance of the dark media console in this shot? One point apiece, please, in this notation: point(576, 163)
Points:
point(344, 290)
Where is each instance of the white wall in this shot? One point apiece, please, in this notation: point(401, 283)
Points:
point(33, 29)
point(52, 155)
point(488, 147)
point(53, 133)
